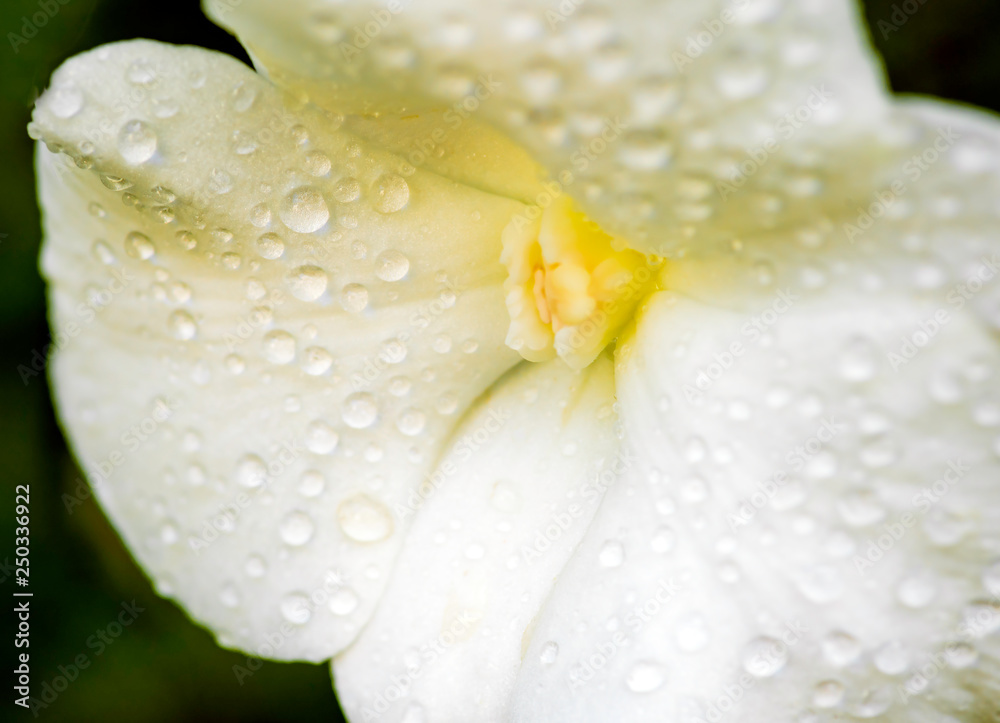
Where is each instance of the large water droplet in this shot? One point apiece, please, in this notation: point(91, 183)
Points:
point(65, 101)
point(295, 608)
point(296, 529)
point(391, 265)
point(251, 471)
point(316, 360)
point(764, 656)
point(343, 601)
point(182, 325)
point(304, 210)
point(307, 283)
point(645, 677)
point(138, 246)
point(360, 410)
point(411, 422)
point(364, 519)
point(392, 193)
point(136, 142)
point(321, 438)
point(354, 297)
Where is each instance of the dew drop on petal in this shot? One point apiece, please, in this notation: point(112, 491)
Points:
point(136, 142)
point(296, 529)
point(304, 210)
point(279, 347)
point(364, 519)
point(307, 283)
point(764, 657)
point(251, 471)
point(391, 193)
point(645, 676)
point(360, 410)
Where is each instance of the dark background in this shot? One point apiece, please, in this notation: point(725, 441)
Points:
point(164, 668)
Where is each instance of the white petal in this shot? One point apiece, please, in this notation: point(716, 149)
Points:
point(814, 529)
point(636, 109)
point(257, 403)
point(508, 505)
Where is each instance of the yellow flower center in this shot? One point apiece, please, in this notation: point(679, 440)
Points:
point(570, 286)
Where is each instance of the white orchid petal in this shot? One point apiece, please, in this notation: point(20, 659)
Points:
point(509, 504)
point(266, 330)
point(633, 107)
point(813, 529)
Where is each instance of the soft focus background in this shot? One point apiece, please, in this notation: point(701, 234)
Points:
point(163, 668)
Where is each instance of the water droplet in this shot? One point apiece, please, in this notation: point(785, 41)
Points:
point(764, 656)
point(169, 534)
point(692, 633)
point(317, 163)
point(360, 410)
point(961, 655)
point(295, 608)
point(251, 471)
point(311, 483)
point(296, 529)
point(136, 142)
point(231, 260)
point(354, 297)
point(505, 497)
point(645, 677)
point(321, 438)
point(347, 190)
point(646, 150)
point(138, 246)
point(260, 215)
point(364, 519)
point(307, 283)
point(279, 347)
point(270, 246)
point(892, 658)
point(65, 101)
point(828, 694)
point(917, 591)
point(182, 325)
point(391, 265)
point(316, 360)
point(255, 566)
point(840, 649)
point(304, 210)
point(612, 554)
point(392, 193)
point(663, 540)
point(858, 361)
point(550, 651)
point(411, 422)
point(243, 97)
point(103, 253)
point(343, 601)
point(141, 72)
point(235, 364)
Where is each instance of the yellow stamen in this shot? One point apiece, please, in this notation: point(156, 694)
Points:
point(568, 290)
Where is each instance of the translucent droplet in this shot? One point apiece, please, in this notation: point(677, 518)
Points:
point(295, 608)
point(364, 519)
point(391, 193)
point(549, 653)
point(892, 658)
point(182, 325)
point(828, 694)
point(312, 483)
point(279, 347)
point(316, 360)
point(391, 265)
point(296, 529)
point(243, 97)
point(321, 438)
point(411, 422)
point(103, 253)
point(347, 190)
point(360, 410)
point(270, 246)
point(255, 566)
point(229, 596)
point(260, 215)
point(354, 297)
point(317, 163)
point(136, 142)
point(840, 649)
point(612, 554)
point(138, 246)
point(141, 72)
point(343, 601)
point(764, 657)
point(307, 283)
point(251, 471)
point(304, 210)
point(65, 101)
point(645, 677)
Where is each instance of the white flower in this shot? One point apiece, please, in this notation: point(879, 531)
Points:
point(749, 473)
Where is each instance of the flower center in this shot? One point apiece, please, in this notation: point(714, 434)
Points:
point(570, 286)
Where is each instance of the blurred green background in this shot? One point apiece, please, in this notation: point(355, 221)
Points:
point(164, 668)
